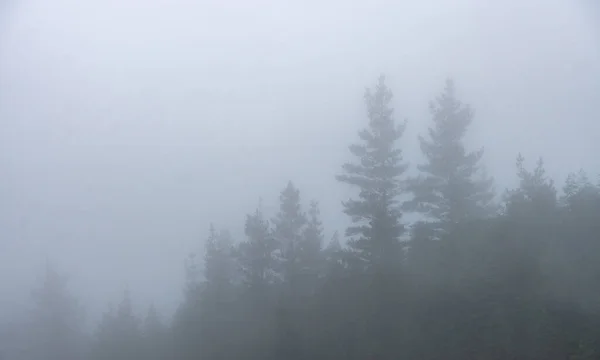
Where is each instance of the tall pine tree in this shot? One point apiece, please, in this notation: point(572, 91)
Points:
point(375, 243)
point(216, 296)
point(581, 197)
point(119, 335)
point(374, 236)
point(57, 321)
point(219, 266)
point(156, 341)
point(258, 269)
point(536, 195)
point(199, 325)
point(311, 256)
point(288, 226)
point(256, 256)
point(452, 186)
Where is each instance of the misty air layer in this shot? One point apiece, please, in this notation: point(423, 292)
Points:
point(342, 180)
point(473, 278)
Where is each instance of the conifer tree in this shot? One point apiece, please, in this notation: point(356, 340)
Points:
point(119, 335)
point(536, 195)
point(157, 344)
point(256, 256)
point(289, 224)
point(57, 321)
point(312, 241)
point(154, 330)
point(258, 265)
point(333, 252)
point(218, 262)
point(452, 186)
point(374, 236)
point(217, 294)
point(581, 197)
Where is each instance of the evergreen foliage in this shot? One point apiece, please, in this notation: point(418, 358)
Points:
point(471, 282)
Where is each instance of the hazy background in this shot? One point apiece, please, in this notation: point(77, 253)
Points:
point(127, 126)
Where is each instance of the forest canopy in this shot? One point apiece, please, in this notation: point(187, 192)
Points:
point(482, 273)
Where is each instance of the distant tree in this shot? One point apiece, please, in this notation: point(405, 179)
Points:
point(193, 278)
point(375, 248)
point(581, 197)
point(536, 195)
point(334, 255)
point(452, 186)
point(119, 335)
point(57, 322)
point(289, 224)
point(200, 325)
point(216, 302)
point(299, 237)
point(104, 346)
point(155, 334)
point(219, 265)
point(311, 257)
point(256, 256)
point(377, 173)
point(577, 257)
point(259, 270)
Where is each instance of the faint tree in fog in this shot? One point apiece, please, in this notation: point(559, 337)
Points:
point(377, 172)
point(536, 194)
point(289, 223)
point(119, 334)
point(56, 331)
point(452, 186)
point(157, 344)
point(256, 255)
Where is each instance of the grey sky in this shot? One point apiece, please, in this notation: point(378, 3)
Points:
point(127, 126)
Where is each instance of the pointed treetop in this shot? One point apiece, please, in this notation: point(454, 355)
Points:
point(377, 173)
point(452, 185)
point(334, 243)
point(536, 194)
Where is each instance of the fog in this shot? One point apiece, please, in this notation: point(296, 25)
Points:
point(126, 127)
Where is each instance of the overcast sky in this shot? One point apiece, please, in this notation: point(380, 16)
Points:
point(126, 126)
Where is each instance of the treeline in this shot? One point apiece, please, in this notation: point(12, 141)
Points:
point(481, 276)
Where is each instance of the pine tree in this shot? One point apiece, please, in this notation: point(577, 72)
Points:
point(199, 322)
point(258, 266)
point(153, 328)
point(218, 262)
point(581, 197)
point(127, 330)
point(193, 275)
point(333, 252)
point(536, 195)
point(312, 241)
point(377, 172)
point(299, 237)
point(288, 226)
point(452, 186)
point(119, 335)
point(256, 256)
point(104, 347)
point(217, 294)
point(155, 336)
point(57, 321)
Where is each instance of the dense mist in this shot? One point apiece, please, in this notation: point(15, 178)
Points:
point(356, 180)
